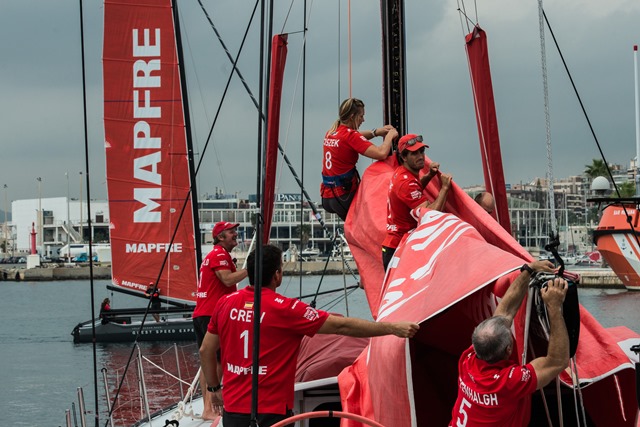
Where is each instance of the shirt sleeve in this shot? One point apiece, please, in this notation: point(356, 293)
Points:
point(520, 381)
point(359, 142)
point(410, 193)
point(302, 318)
point(220, 261)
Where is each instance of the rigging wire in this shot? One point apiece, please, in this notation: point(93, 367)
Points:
point(219, 164)
point(179, 220)
point(94, 353)
point(547, 118)
point(593, 133)
point(349, 47)
point(280, 148)
point(462, 11)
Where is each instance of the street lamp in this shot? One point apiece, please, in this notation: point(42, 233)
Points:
point(6, 247)
point(39, 179)
point(81, 237)
point(66, 174)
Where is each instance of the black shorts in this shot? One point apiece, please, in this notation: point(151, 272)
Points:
point(200, 324)
point(234, 419)
point(339, 205)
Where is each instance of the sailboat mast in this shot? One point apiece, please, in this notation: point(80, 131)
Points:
point(187, 123)
point(637, 95)
point(394, 75)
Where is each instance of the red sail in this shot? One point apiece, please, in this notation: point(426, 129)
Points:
point(480, 72)
point(146, 152)
point(278, 60)
point(448, 275)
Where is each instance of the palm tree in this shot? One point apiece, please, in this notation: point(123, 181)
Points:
point(626, 189)
point(597, 168)
point(304, 236)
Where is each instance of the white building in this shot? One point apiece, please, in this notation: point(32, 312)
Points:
point(57, 221)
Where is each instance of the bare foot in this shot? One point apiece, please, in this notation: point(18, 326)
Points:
point(210, 415)
point(216, 422)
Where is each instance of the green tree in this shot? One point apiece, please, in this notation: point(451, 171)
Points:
point(597, 168)
point(304, 235)
point(626, 189)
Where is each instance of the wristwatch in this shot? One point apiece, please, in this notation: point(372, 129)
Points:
point(214, 389)
point(525, 267)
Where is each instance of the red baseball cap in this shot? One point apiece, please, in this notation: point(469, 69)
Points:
point(221, 226)
point(411, 142)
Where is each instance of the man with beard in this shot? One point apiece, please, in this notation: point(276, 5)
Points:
point(218, 277)
point(406, 192)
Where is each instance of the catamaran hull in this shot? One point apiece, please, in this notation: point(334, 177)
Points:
point(169, 330)
point(618, 244)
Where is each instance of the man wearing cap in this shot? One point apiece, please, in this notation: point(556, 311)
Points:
point(406, 192)
point(218, 277)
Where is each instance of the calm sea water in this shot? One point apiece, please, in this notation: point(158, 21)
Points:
point(41, 367)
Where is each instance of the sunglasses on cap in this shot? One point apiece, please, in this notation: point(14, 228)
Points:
point(414, 141)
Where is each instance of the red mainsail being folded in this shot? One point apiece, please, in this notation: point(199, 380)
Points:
point(448, 275)
point(278, 61)
point(480, 72)
point(146, 152)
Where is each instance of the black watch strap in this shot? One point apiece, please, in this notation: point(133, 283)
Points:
point(214, 389)
point(525, 267)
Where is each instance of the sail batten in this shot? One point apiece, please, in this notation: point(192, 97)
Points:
point(148, 178)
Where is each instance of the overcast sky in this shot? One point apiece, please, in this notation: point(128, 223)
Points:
point(41, 101)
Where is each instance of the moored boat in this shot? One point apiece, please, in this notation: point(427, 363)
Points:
point(126, 325)
point(617, 241)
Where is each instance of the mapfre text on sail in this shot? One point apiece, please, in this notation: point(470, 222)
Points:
point(144, 248)
point(146, 76)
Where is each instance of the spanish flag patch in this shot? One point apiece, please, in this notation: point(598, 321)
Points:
point(248, 305)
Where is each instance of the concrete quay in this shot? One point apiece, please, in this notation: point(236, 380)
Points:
point(49, 274)
point(597, 277)
point(590, 277)
point(82, 272)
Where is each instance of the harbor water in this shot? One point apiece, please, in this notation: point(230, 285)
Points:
point(42, 367)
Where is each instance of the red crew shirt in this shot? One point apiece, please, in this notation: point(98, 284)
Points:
point(497, 394)
point(210, 288)
point(405, 193)
point(285, 321)
point(341, 150)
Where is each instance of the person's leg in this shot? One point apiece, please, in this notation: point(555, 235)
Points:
point(339, 205)
point(267, 420)
point(200, 328)
point(387, 254)
point(232, 419)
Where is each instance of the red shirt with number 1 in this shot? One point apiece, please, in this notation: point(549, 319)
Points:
point(285, 321)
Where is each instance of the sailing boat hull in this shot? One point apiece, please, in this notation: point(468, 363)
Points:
point(618, 245)
point(128, 331)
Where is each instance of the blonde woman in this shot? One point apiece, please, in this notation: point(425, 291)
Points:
point(343, 145)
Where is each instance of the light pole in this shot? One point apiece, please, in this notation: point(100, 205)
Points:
point(66, 174)
point(81, 237)
point(6, 247)
point(39, 179)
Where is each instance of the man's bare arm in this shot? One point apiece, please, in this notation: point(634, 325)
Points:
point(229, 278)
point(354, 327)
point(208, 361)
point(514, 296)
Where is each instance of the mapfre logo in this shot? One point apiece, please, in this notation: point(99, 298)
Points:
point(311, 314)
